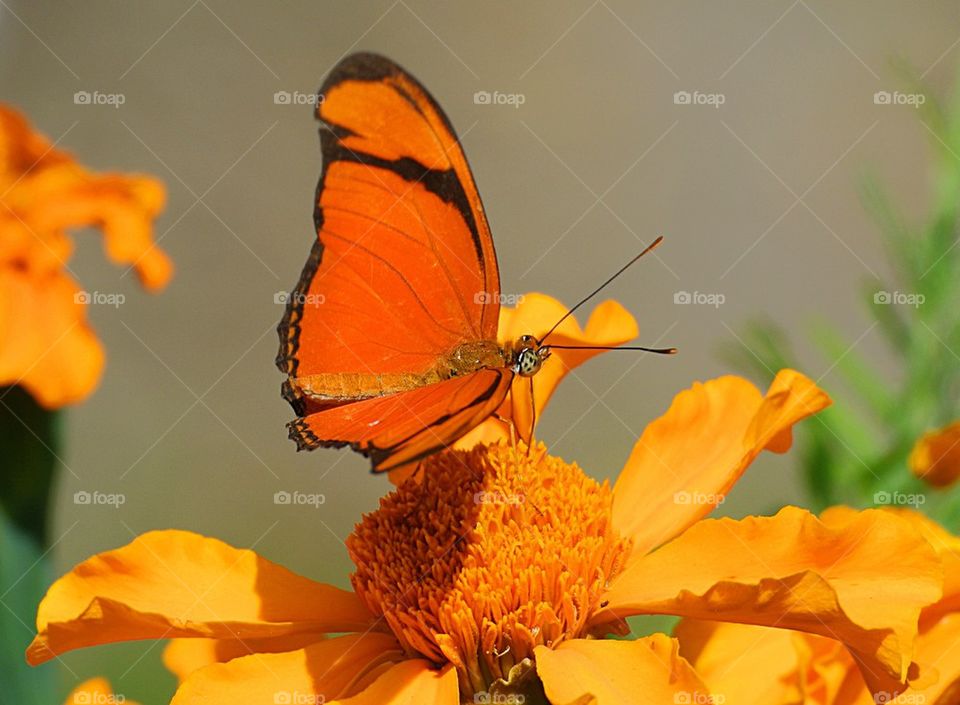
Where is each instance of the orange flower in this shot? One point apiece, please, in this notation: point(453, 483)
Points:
point(761, 666)
point(96, 691)
point(936, 456)
point(45, 342)
point(496, 573)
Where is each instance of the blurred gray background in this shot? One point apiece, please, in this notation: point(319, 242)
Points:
point(758, 199)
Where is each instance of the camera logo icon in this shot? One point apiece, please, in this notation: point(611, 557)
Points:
point(482, 98)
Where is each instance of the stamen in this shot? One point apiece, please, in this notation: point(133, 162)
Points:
point(493, 553)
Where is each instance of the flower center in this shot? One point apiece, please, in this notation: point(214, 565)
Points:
point(491, 554)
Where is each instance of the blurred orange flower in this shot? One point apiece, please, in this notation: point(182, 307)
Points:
point(936, 456)
point(495, 575)
point(46, 344)
point(96, 691)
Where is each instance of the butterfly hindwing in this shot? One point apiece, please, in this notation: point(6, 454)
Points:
point(402, 428)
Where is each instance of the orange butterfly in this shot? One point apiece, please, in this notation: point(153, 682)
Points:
point(389, 340)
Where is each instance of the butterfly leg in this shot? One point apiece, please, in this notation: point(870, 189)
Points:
point(533, 416)
point(509, 424)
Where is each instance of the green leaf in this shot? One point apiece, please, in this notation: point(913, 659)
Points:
point(28, 446)
point(24, 576)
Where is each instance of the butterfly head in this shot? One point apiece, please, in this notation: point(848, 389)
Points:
point(530, 356)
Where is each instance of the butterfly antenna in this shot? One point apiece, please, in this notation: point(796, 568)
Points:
point(600, 288)
point(658, 351)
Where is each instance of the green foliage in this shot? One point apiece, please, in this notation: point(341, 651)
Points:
point(28, 441)
point(856, 452)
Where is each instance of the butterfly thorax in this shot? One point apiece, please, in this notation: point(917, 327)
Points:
point(471, 356)
point(523, 356)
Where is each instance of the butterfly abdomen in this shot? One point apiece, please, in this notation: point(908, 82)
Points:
point(354, 386)
point(474, 355)
point(344, 387)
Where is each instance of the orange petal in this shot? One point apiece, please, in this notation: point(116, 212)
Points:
point(647, 671)
point(46, 345)
point(402, 474)
point(169, 584)
point(491, 431)
point(742, 663)
point(766, 666)
point(746, 664)
point(411, 682)
point(946, 545)
point(796, 572)
point(96, 691)
point(184, 656)
point(319, 673)
point(936, 456)
point(610, 324)
point(689, 458)
point(939, 648)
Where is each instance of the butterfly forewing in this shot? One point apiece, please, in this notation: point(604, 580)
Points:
point(403, 272)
